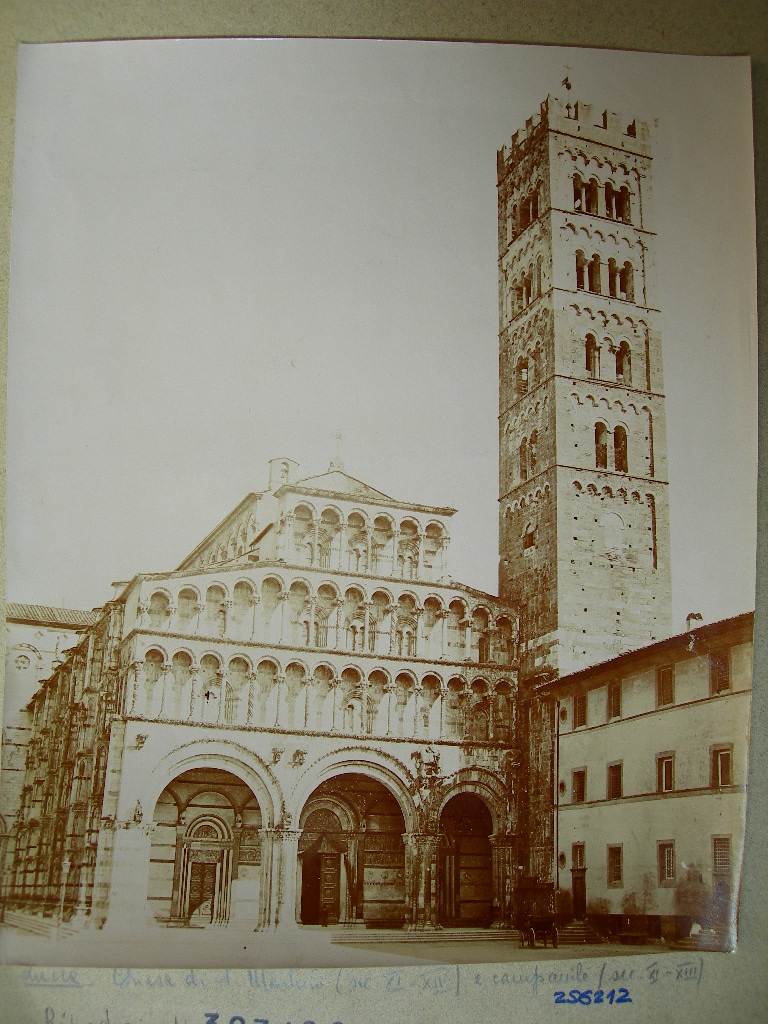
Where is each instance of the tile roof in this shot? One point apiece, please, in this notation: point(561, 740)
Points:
point(45, 614)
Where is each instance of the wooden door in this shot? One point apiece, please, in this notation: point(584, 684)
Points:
point(330, 877)
point(578, 876)
point(202, 885)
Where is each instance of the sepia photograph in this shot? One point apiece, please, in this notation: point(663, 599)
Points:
point(381, 503)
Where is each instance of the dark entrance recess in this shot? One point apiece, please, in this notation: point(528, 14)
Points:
point(465, 868)
point(579, 882)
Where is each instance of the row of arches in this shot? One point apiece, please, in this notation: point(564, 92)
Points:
point(324, 616)
point(240, 692)
point(526, 286)
point(622, 360)
point(616, 442)
point(602, 200)
point(356, 542)
point(523, 212)
point(590, 277)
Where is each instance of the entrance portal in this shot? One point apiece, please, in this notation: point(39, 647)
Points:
point(466, 868)
point(351, 855)
point(205, 858)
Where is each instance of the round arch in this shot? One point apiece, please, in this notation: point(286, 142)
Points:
point(385, 769)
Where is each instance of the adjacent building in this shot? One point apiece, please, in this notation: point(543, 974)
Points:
point(651, 757)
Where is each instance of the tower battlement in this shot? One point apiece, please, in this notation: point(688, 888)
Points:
point(580, 119)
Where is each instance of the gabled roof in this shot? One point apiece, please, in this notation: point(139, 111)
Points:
point(47, 615)
point(338, 483)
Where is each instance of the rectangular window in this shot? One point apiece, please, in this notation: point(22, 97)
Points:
point(579, 786)
point(615, 874)
point(666, 863)
point(614, 782)
point(719, 672)
point(614, 700)
point(665, 686)
point(721, 856)
point(579, 710)
point(665, 773)
point(721, 767)
point(578, 856)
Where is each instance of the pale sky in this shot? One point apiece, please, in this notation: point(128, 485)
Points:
point(225, 251)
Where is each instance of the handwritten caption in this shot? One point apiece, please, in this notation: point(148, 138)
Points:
point(585, 983)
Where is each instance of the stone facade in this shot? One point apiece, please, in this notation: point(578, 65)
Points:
point(318, 727)
point(584, 521)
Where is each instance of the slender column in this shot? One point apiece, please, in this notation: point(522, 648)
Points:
point(364, 686)
point(417, 730)
point(269, 884)
point(220, 717)
point(255, 599)
point(199, 607)
point(418, 612)
point(165, 671)
point(443, 617)
point(228, 606)
point(173, 618)
point(420, 570)
point(312, 607)
point(389, 690)
point(315, 541)
point(368, 546)
point(491, 712)
point(176, 889)
point(279, 683)
point(443, 696)
point(194, 692)
point(251, 695)
point(334, 687)
point(366, 625)
point(284, 612)
point(343, 547)
point(392, 630)
point(395, 546)
point(468, 638)
point(338, 605)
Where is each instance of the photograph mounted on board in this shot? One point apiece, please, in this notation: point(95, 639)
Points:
point(381, 503)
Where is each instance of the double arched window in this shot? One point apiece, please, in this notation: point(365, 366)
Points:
point(620, 448)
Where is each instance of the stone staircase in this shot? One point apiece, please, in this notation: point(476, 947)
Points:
point(720, 938)
point(45, 927)
point(578, 933)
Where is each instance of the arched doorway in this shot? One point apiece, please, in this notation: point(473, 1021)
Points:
point(466, 863)
point(351, 865)
point(205, 857)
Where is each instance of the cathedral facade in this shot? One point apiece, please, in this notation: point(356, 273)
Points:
point(306, 723)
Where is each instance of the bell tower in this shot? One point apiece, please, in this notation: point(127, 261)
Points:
point(584, 514)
